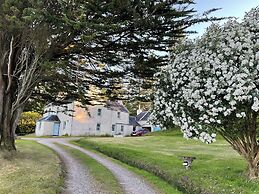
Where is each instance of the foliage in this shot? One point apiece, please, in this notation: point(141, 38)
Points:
point(105, 41)
point(133, 105)
point(34, 105)
point(27, 123)
point(212, 85)
point(56, 50)
point(217, 169)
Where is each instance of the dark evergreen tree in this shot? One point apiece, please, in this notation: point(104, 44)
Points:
point(57, 49)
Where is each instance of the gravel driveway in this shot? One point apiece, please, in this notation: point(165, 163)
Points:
point(80, 181)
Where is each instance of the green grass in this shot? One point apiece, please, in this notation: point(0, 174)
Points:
point(32, 135)
point(106, 180)
point(33, 169)
point(217, 169)
point(156, 182)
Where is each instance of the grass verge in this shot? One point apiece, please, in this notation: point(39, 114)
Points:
point(159, 184)
point(218, 169)
point(106, 180)
point(33, 169)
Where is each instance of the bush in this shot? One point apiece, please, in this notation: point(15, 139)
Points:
point(27, 123)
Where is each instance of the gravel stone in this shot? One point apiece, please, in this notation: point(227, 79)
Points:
point(80, 181)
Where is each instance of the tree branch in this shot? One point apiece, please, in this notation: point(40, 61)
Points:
point(9, 66)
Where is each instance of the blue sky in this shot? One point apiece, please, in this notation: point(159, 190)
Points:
point(236, 8)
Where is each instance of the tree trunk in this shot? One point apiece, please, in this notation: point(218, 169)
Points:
point(253, 149)
point(252, 159)
point(253, 169)
point(19, 70)
point(7, 141)
point(245, 143)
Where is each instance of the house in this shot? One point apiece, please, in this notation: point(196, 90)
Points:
point(143, 118)
point(134, 123)
point(73, 119)
point(50, 123)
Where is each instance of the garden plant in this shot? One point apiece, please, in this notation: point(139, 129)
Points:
point(211, 86)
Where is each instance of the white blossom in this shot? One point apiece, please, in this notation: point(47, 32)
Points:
point(255, 105)
point(211, 79)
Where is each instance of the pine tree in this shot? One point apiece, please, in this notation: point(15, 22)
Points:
point(57, 49)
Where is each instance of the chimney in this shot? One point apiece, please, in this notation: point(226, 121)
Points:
point(139, 110)
point(120, 102)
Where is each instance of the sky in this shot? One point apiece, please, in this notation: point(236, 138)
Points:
point(236, 8)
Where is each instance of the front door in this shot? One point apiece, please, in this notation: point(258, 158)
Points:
point(56, 129)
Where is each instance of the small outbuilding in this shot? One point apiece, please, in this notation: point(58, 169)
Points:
point(49, 125)
point(144, 121)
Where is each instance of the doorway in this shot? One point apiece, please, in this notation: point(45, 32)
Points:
point(56, 129)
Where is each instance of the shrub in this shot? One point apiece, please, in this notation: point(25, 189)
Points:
point(211, 86)
point(27, 123)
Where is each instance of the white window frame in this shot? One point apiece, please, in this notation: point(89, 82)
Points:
point(39, 126)
point(113, 128)
point(99, 112)
point(64, 125)
point(98, 127)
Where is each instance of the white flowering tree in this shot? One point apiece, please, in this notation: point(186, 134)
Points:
point(212, 86)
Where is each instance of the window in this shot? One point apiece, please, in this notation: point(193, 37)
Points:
point(122, 128)
point(98, 127)
point(64, 124)
point(39, 126)
point(119, 115)
point(99, 112)
point(113, 127)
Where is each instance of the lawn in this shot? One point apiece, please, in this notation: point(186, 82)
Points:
point(33, 169)
point(156, 182)
point(217, 169)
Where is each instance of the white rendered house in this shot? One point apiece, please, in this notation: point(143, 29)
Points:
point(74, 120)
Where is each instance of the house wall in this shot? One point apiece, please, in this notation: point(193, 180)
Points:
point(127, 129)
point(144, 124)
point(107, 119)
point(64, 113)
point(38, 129)
point(82, 121)
point(44, 128)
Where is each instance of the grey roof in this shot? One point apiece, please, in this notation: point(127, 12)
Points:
point(53, 118)
point(140, 115)
point(133, 121)
point(114, 105)
point(146, 117)
point(143, 116)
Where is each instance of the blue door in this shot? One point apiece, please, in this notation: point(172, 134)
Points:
point(56, 129)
